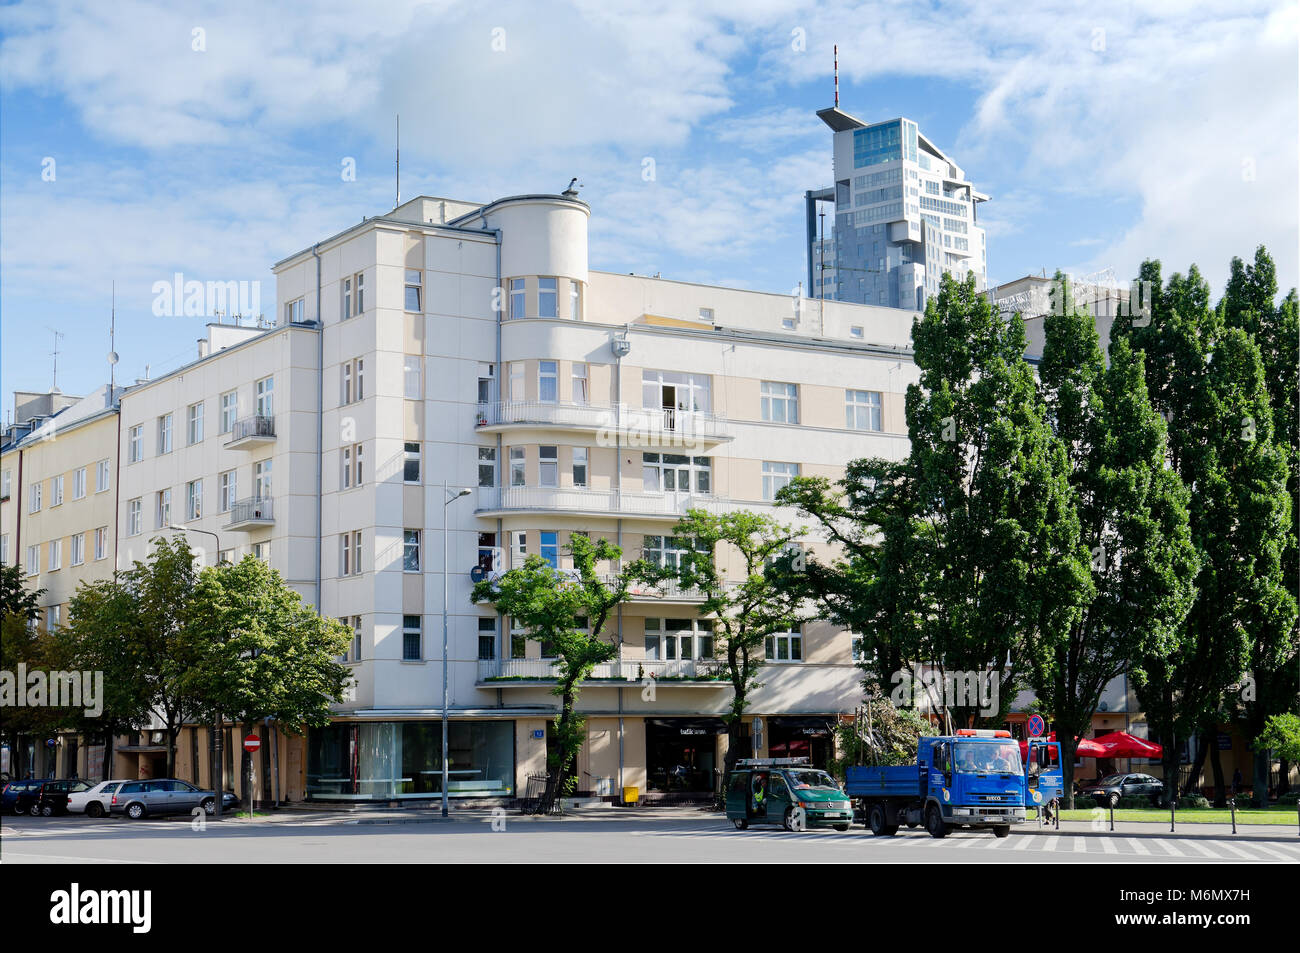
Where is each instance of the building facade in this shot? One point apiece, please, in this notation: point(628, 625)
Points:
point(905, 213)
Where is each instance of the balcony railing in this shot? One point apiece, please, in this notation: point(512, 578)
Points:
point(249, 431)
point(577, 500)
point(628, 670)
point(650, 425)
point(258, 511)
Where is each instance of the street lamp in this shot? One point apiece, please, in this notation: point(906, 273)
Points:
point(218, 754)
point(449, 497)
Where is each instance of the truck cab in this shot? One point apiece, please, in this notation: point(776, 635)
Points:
point(785, 791)
point(1044, 777)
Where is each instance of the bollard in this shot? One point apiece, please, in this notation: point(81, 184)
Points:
point(1056, 813)
point(1112, 817)
point(1171, 814)
point(1232, 803)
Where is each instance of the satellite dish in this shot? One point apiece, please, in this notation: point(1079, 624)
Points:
point(112, 357)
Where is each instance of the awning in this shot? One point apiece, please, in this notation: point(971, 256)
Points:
point(1084, 748)
point(808, 726)
point(1120, 744)
point(689, 726)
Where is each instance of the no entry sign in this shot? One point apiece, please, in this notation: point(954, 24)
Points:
point(252, 743)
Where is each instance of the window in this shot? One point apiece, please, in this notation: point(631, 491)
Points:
point(667, 551)
point(411, 376)
point(194, 500)
point(412, 298)
point(547, 298)
point(411, 639)
point(356, 619)
point(134, 517)
point(227, 490)
point(516, 297)
point(487, 466)
point(575, 300)
point(775, 476)
point(548, 466)
point(163, 509)
point(670, 640)
point(135, 444)
point(348, 457)
point(353, 383)
point(52, 617)
point(676, 473)
point(350, 553)
point(519, 548)
point(785, 647)
point(580, 390)
point(229, 407)
point(78, 554)
point(360, 283)
point(33, 560)
point(101, 542)
point(779, 402)
point(411, 550)
point(411, 462)
point(516, 466)
point(262, 480)
point(56, 490)
point(489, 557)
point(517, 380)
point(518, 640)
point(579, 466)
point(293, 310)
point(262, 551)
point(34, 498)
point(548, 388)
point(5, 485)
point(706, 314)
point(165, 433)
point(855, 331)
point(862, 410)
point(193, 424)
point(550, 548)
point(264, 391)
point(4, 548)
point(225, 557)
point(671, 392)
point(487, 639)
point(56, 555)
point(486, 378)
point(79, 483)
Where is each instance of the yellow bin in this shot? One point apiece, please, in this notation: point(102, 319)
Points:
point(631, 795)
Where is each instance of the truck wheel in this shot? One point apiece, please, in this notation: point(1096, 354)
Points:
point(741, 823)
point(876, 821)
point(934, 823)
point(1002, 830)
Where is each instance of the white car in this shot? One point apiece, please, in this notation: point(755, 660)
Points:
point(94, 801)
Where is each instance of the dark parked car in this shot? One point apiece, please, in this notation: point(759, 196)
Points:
point(20, 796)
point(1115, 786)
point(137, 799)
point(54, 795)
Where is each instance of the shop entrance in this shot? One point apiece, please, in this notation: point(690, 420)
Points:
point(682, 754)
point(808, 737)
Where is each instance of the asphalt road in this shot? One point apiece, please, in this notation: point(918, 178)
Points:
point(606, 836)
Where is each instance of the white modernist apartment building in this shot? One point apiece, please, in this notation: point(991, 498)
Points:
point(449, 346)
point(905, 213)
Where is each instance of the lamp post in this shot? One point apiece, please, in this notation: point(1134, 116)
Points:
point(218, 755)
point(449, 497)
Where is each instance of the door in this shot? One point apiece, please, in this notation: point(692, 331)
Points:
point(778, 797)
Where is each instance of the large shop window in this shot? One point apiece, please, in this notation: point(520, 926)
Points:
point(682, 753)
point(371, 761)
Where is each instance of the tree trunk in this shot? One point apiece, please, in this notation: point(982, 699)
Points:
point(108, 754)
point(555, 766)
point(1068, 747)
point(1284, 777)
point(1216, 768)
point(1169, 768)
point(1198, 765)
point(1259, 792)
point(172, 732)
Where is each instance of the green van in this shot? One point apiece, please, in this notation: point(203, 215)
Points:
point(785, 791)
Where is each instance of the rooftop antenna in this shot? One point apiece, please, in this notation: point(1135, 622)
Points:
point(836, 48)
point(57, 336)
point(112, 341)
point(399, 160)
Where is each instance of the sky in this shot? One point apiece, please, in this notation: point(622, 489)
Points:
point(139, 139)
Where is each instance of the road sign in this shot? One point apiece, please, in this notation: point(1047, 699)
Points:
point(252, 743)
point(1035, 726)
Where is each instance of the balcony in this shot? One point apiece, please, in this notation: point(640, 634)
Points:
point(250, 432)
point(702, 673)
point(637, 426)
point(501, 501)
point(251, 514)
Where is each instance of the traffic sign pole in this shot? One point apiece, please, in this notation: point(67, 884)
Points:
point(251, 744)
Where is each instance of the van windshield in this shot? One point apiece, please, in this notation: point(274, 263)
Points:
point(812, 779)
point(986, 758)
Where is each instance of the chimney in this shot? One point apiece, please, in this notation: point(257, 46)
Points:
point(203, 348)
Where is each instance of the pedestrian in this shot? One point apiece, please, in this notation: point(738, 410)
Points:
point(1236, 782)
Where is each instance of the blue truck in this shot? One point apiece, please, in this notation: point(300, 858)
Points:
point(974, 778)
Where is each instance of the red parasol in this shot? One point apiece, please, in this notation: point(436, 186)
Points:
point(1120, 744)
point(1089, 748)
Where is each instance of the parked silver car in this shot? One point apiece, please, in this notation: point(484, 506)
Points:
point(94, 801)
point(137, 799)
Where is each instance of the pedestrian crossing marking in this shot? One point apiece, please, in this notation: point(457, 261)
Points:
point(1197, 846)
point(1080, 845)
point(1138, 847)
point(1170, 849)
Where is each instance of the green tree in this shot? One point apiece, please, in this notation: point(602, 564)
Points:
point(262, 653)
point(567, 611)
point(761, 556)
point(1281, 735)
point(24, 641)
point(1207, 380)
point(1132, 510)
point(883, 734)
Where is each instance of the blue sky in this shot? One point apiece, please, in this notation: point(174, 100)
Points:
point(1106, 133)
